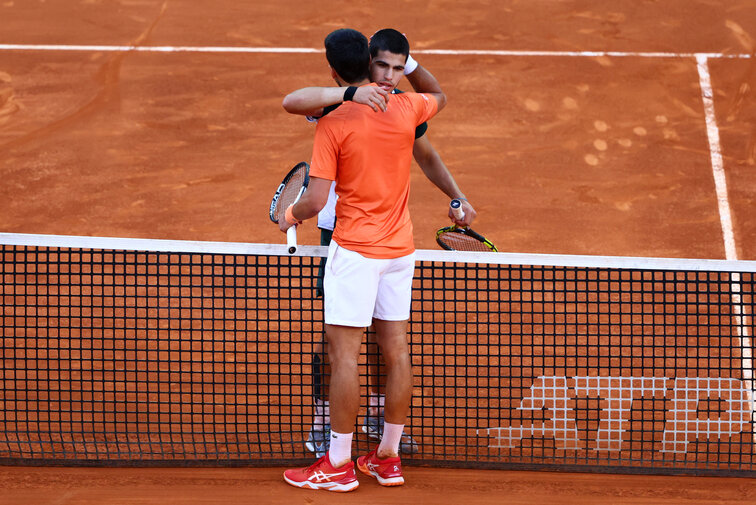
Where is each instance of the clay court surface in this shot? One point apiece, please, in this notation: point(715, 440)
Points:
point(264, 486)
point(560, 150)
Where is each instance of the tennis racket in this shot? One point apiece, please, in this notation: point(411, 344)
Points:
point(454, 238)
point(288, 193)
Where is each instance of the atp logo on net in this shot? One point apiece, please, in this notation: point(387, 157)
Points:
point(684, 421)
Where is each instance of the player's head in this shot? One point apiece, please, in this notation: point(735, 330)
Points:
point(348, 54)
point(389, 40)
point(388, 54)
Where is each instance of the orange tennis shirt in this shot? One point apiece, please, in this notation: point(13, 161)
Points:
point(369, 155)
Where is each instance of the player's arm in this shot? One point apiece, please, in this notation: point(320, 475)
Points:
point(435, 170)
point(309, 204)
point(311, 101)
point(423, 81)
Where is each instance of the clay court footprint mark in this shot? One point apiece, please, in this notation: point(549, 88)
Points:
point(8, 105)
point(591, 159)
point(570, 103)
point(598, 144)
point(600, 126)
point(532, 105)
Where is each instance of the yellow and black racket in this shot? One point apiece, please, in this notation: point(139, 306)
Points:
point(454, 238)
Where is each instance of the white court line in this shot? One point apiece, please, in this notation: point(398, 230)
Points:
point(304, 50)
point(156, 49)
point(717, 165)
point(742, 323)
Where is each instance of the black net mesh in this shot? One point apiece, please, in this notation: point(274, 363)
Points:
point(120, 357)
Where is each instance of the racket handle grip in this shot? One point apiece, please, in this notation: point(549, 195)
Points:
point(456, 208)
point(291, 239)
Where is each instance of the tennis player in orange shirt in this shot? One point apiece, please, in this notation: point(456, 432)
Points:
point(315, 103)
point(371, 258)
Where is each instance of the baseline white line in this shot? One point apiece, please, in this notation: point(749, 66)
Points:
point(157, 49)
point(741, 319)
point(586, 54)
point(305, 50)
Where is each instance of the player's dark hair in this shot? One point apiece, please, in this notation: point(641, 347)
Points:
point(347, 53)
point(389, 40)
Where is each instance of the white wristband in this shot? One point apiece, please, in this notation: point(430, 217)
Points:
point(410, 66)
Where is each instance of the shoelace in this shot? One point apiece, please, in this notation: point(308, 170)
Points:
point(318, 462)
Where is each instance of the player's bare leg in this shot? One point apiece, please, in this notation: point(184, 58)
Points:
point(344, 343)
point(392, 340)
point(384, 463)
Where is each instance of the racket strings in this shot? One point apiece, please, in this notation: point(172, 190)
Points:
point(458, 241)
point(289, 192)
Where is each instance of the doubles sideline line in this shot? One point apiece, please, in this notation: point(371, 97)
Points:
point(717, 164)
point(303, 50)
point(741, 318)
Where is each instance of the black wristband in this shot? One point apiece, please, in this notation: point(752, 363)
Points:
point(349, 93)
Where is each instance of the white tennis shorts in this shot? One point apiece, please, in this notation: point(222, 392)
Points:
point(358, 289)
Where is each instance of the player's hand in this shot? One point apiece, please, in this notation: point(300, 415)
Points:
point(469, 216)
point(372, 96)
point(283, 224)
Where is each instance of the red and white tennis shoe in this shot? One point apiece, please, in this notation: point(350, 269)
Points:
point(388, 471)
point(321, 475)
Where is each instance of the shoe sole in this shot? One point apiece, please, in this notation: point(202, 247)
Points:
point(326, 486)
point(390, 482)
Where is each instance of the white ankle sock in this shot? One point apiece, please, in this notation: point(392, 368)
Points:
point(341, 448)
point(392, 435)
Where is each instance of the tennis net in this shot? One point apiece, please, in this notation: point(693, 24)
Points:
point(151, 352)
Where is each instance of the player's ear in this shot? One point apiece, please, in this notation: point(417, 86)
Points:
point(336, 77)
